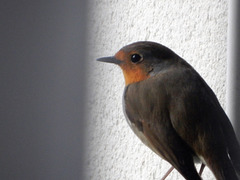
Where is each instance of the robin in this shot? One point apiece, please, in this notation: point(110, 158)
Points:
point(175, 113)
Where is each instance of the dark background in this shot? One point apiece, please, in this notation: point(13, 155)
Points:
point(42, 63)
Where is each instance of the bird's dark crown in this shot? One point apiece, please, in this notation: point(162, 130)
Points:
point(149, 49)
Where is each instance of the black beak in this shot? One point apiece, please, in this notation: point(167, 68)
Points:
point(110, 59)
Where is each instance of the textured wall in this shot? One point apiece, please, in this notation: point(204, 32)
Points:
point(196, 30)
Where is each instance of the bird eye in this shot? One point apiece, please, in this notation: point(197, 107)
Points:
point(136, 58)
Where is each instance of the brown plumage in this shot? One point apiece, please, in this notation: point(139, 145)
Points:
point(174, 112)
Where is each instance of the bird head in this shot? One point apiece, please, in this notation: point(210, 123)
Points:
point(141, 60)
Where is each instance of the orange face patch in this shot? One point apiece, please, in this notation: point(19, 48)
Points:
point(132, 72)
point(120, 55)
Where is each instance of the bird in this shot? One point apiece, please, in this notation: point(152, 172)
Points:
point(174, 112)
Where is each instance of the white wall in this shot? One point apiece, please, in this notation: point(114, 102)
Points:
point(196, 30)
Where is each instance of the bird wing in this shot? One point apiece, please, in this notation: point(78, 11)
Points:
point(200, 121)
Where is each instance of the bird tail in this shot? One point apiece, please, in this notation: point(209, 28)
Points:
point(223, 167)
point(234, 151)
point(227, 160)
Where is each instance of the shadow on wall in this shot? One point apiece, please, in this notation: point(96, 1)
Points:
point(233, 65)
point(42, 96)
